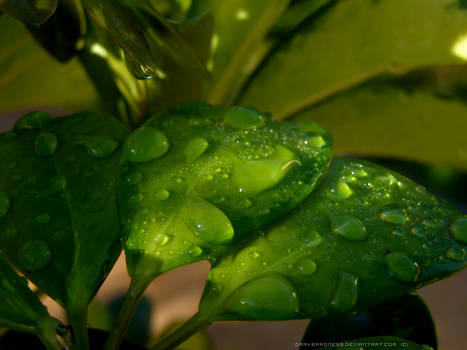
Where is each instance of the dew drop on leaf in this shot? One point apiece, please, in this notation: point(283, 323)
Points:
point(195, 250)
point(402, 267)
point(4, 204)
point(316, 141)
point(33, 120)
point(145, 144)
point(160, 239)
point(243, 118)
point(34, 255)
point(393, 213)
point(195, 148)
point(45, 144)
point(458, 230)
point(419, 230)
point(346, 293)
point(99, 147)
point(161, 195)
point(133, 178)
point(348, 227)
point(208, 222)
point(57, 184)
point(267, 298)
point(340, 191)
point(456, 253)
point(313, 239)
point(307, 266)
point(43, 218)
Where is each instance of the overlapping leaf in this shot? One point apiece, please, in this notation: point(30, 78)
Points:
point(29, 11)
point(190, 185)
point(59, 218)
point(364, 236)
point(378, 37)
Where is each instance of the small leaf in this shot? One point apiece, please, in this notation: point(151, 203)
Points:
point(307, 266)
point(357, 40)
point(368, 344)
point(406, 317)
point(29, 11)
point(190, 186)
point(20, 308)
point(61, 229)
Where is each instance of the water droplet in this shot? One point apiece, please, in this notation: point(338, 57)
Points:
point(458, 230)
point(57, 184)
point(340, 191)
point(45, 144)
point(160, 239)
point(387, 179)
point(208, 222)
point(360, 173)
point(346, 293)
point(393, 213)
point(419, 230)
point(311, 127)
point(316, 141)
point(272, 170)
point(99, 147)
point(456, 253)
point(267, 298)
point(313, 239)
point(4, 204)
point(133, 178)
point(195, 250)
point(243, 118)
point(33, 120)
point(195, 148)
point(433, 223)
point(161, 195)
point(42, 218)
point(402, 267)
point(139, 71)
point(145, 144)
point(307, 266)
point(254, 254)
point(348, 227)
point(34, 255)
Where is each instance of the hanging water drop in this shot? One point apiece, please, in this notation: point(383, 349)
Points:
point(145, 144)
point(348, 227)
point(34, 255)
point(267, 298)
point(195, 148)
point(45, 144)
point(458, 230)
point(139, 71)
point(4, 204)
point(33, 120)
point(402, 267)
point(346, 293)
point(243, 118)
point(394, 214)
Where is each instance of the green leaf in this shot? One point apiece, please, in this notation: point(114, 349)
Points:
point(380, 342)
point(21, 309)
point(189, 186)
point(63, 34)
point(352, 42)
point(395, 123)
point(144, 35)
point(29, 11)
point(30, 78)
point(406, 317)
point(60, 225)
point(364, 236)
point(237, 43)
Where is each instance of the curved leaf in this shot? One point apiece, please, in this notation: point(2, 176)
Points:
point(364, 236)
point(378, 343)
point(189, 186)
point(60, 223)
point(406, 317)
point(395, 123)
point(20, 308)
point(29, 11)
point(357, 40)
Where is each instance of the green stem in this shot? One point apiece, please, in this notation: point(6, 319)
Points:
point(79, 324)
point(125, 314)
point(50, 344)
point(47, 333)
point(189, 328)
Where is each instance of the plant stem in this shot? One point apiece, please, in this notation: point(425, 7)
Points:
point(79, 324)
point(50, 344)
point(125, 314)
point(190, 327)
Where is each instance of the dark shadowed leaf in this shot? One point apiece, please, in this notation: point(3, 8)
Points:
point(59, 224)
point(29, 11)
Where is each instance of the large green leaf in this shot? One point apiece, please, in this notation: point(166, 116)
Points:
point(239, 30)
point(30, 78)
point(364, 236)
point(353, 41)
point(59, 224)
point(384, 120)
point(20, 308)
point(190, 187)
point(29, 11)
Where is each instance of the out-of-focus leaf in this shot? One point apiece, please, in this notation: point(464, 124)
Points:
point(239, 30)
point(352, 42)
point(406, 317)
point(380, 342)
point(189, 187)
point(364, 236)
point(21, 309)
point(62, 35)
point(144, 35)
point(30, 78)
point(61, 227)
point(29, 11)
point(381, 119)
point(173, 9)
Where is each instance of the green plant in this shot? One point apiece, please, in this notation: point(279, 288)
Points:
point(289, 231)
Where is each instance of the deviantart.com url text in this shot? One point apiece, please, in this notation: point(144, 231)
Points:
point(363, 345)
